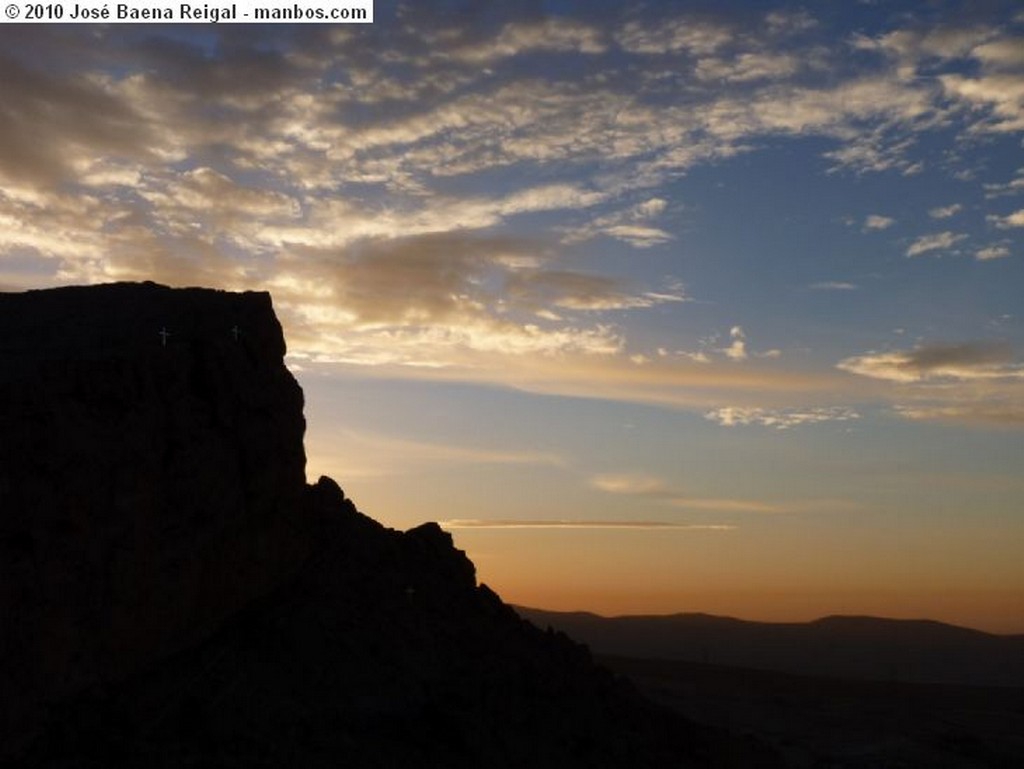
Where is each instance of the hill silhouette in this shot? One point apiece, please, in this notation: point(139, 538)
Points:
point(867, 648)
point(843, 692)
point(174, 594)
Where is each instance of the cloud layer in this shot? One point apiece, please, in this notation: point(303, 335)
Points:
point(440, 195)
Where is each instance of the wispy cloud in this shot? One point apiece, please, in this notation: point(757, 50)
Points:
point(514, 39)
point(976, 383)
point(657, 489)
point(995, 251)
point(939, 241)
point(780, 419)
point(370, 454)
point(1013, 187)
point(674, 35)
point(631, 483)
point(878, 222)
point(992, 415)
point(945, 212)
point(746, 67)
point(834, 285)
point(1015, 219)
point(959, 361)
point(631, 225)
point(474, 523)
point(580, 291)
point(709, 350)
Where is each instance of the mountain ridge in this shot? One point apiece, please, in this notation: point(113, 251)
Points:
point(824, 620)
point(854, 646)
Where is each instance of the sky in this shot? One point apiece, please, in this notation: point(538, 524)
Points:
point(656, 307)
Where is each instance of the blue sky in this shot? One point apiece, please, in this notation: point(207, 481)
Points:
point(664, 306)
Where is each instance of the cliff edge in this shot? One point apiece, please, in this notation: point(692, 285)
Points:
point(174, 594)
point(151, 463)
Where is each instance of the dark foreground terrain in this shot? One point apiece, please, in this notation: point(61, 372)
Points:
point(843, 692)
point(840, 723)
point(173, 593)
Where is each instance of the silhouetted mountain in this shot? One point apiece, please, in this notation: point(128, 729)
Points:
point(173, 594)
point(868, 648)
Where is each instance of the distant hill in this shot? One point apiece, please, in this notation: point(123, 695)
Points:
point(868, 648)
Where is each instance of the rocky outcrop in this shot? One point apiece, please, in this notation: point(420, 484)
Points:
point(148, 483)
point(174, 594)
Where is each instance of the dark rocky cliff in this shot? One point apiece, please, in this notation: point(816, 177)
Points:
point(172, 593)
point(147, 490)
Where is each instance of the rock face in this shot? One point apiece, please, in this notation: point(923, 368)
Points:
point(147, 490)
point(172, 593)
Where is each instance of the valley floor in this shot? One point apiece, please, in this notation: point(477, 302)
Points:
point(843, 724)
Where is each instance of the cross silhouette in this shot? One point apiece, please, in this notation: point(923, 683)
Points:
point(163, 334)
point(236, 332)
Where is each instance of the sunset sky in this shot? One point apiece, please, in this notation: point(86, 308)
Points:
point(658, 307)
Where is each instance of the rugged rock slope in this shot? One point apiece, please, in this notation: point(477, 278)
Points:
point(172, 593)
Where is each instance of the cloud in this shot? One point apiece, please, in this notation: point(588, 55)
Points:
point(834, 285)
point(993, 94)
point(368, 454)
point(1006, 52)
point(630, 483)
point(638, 235)
point(647, 487)
point(936, 242)
point(789, 22)
point(353, 174)
point(959, 362)
point(878, 222)
point(474, 523)
point(1013, 187)
point(49, 123)
point(737, 350)
point(875, 152)
point(570, 362)
point(976, 383)
point(996, 251)
point(944, 212)
point(747, 67)
point(437, 299)
point(1016, 219)
point(998, 415)
point(514, 39)
point(803, 111)
point(579, 291)
point(670, 36)
point(630, 225)
point(1001, 93)
point(657, 489)
point(780, 419)
point(917, 45)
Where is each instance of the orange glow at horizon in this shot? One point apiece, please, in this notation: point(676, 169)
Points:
point(996, 612)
